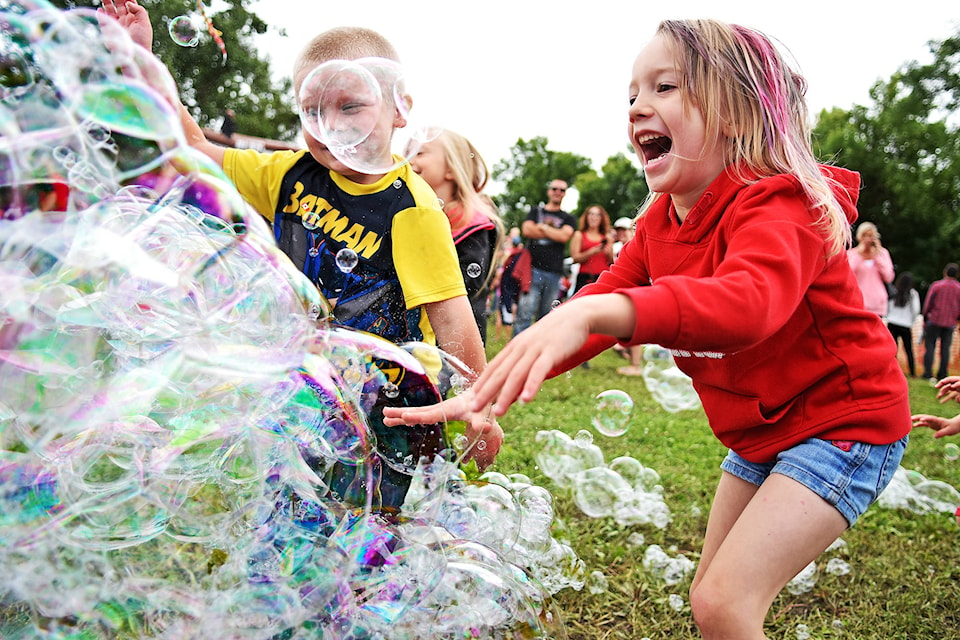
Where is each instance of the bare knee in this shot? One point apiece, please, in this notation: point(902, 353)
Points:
point(720, 614)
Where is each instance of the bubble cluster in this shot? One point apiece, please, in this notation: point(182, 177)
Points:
point(189, 447)
point(671, 569)
point(910, 490)
point(668, 385)
point(625, 490)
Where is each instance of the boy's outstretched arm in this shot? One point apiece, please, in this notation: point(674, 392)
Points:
point(457, 334)
point(136, 22)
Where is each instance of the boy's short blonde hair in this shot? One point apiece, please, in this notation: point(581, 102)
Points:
point(343, 43)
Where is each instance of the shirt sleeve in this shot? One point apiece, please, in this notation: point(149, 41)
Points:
point(257, 176)
point(425, 257)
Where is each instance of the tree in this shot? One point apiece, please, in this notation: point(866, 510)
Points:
point(210, 84)
point(620, 188)
point(526, 173)
point(907, 151)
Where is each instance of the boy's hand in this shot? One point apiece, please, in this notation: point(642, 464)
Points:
point(133, 18)
point(942, 426)
point(481, 426)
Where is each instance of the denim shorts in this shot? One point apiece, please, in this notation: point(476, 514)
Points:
point(848, 475)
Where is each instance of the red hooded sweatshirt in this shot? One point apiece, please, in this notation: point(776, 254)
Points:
point(770, 328)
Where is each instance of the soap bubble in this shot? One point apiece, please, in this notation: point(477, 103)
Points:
point(668, 385)
point(951, 451)
point(184, 31)
point(353, 106)
point(613, 411)
point(190, 446)
point(346, 259)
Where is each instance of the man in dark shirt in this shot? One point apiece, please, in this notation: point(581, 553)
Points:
point(547, 230)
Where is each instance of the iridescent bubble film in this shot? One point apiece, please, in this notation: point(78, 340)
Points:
point(189, 446)
point(612, 413)
point(184, 31)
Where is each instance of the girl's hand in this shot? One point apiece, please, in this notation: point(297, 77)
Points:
point(942, 426)
point(518, 371)
point(133, 18)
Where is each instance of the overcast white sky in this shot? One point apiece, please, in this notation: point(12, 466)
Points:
point(499, 70)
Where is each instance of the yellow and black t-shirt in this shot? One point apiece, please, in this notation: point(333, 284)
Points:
point(394, 229)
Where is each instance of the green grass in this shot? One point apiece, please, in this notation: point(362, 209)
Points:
point(904, 579)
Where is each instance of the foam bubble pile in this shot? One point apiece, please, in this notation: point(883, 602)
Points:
point(188, 445)
point(912, 491)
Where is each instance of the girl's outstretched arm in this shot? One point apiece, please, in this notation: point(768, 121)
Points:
point(517, 372)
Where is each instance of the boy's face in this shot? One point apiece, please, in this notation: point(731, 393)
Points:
point(349, 117)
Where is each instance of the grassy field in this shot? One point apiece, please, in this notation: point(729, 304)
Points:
point(904, 579)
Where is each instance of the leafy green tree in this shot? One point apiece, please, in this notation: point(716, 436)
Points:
point(526, 173)
point(210, 84)
point(620, 188)
point(906, 146)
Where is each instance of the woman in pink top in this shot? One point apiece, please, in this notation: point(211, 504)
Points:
point(873, 267)
point(591, 246)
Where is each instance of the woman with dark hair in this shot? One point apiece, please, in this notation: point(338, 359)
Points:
point(902, 311)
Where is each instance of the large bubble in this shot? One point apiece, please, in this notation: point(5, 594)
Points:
point(189, 447)
point(360, 111)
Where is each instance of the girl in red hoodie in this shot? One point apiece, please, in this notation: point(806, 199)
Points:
point(738, 266)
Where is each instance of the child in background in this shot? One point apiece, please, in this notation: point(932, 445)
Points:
point(453, 167)
point(406, 285)
point(738, 266)
point(902, 311)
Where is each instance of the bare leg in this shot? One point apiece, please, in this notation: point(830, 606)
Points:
point(757, 540)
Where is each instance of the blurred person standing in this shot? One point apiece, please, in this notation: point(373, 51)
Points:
point(547, 229)
point(592, 245)
point(902, 311)
point(873, 267)
point(941, 312)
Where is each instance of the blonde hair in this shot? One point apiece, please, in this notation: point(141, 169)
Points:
point(469, 175)
point(746, 92)
point(864, 227)
point(343, 43)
